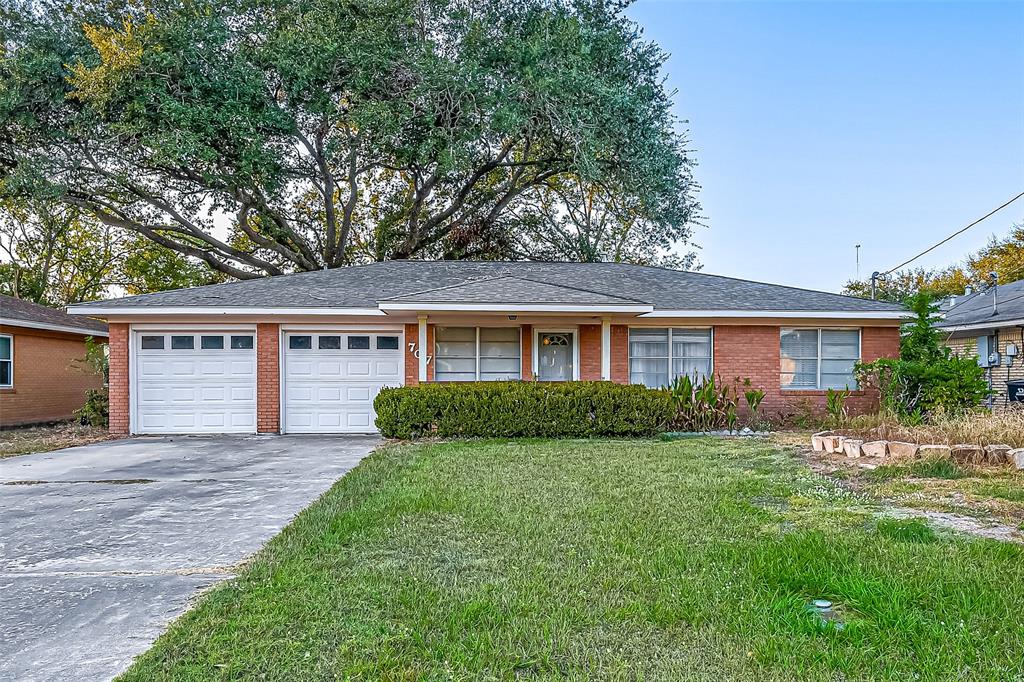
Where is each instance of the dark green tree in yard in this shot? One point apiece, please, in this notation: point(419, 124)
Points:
point(269, 136)
point(927, 379)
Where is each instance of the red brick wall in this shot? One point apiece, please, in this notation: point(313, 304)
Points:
point(620, 353)
point(753, 351)
point(268, 378)
point(49, 384)
point(412, 366)
point(590, 352)
point(118, 378)
point(526, 348)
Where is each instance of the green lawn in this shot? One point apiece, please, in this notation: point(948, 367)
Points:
point(602, 560)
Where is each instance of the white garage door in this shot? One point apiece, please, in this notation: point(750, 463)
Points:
point(195, 382)
point(331, 379)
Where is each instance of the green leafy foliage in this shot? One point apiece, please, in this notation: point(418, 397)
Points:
point(95, 411)
point(269, 136)
point(703, 403)
point(517, 409)
point(835, 406)
point(927, 379)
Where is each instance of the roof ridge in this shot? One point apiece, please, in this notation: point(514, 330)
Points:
point(589, 291)
point(471, 280)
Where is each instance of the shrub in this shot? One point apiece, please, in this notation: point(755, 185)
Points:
point(702, 403)
point(835, 405)
point(523, 409)
point(927, 379)
point(95, 411)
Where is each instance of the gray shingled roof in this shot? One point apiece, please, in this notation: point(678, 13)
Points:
point(976, 309)
point(365, 286)
point(17, 312)
point(507, 289)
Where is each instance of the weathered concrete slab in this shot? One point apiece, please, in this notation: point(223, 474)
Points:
point(102, 545)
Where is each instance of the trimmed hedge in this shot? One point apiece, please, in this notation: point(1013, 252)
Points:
point(523, 409)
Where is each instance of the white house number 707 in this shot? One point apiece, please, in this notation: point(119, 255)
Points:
point(416, 352)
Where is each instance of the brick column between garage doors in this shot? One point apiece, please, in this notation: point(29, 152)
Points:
point(268, 378)
point(117, 389)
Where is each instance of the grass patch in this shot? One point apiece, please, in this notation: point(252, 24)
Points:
point(26, 440)
point(909, 530)
point(692, 559)
point(934, 467)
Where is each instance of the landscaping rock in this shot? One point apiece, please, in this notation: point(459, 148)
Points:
point(833, 444)
point(934, 452)
point(968, 453)
point(818, 441)
point(900, 450)
point(851, 446)
point(1016, 457)
point(875, 448)
point(996, 454)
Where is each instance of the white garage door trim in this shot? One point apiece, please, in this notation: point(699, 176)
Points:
point(226, 403)
point(330, 386)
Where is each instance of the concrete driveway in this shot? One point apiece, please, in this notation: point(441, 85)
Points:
point(102, 546)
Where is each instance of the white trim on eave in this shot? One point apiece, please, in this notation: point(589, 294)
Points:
point(982, 325)
point(517, 307)
point(804, 314)
point(214, 311)
point(27, 324)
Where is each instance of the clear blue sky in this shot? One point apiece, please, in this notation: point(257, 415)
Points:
point(818, 126)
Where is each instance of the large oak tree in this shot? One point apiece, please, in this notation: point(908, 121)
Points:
point(267, 136)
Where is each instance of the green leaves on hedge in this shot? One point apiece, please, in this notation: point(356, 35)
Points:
point(523, 409)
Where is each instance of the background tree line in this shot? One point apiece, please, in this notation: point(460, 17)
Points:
point(1002, 255)
point(258, 137)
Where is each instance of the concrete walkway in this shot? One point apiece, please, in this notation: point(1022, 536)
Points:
point(102, 546)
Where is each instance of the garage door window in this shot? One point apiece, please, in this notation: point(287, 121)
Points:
point(359, 343)
point(241, 343)
point(300, 342)
point(211, 342)
point(387, 343)
point(152, 343)
point(183, 342)
point(477, 354)
point(329, 343)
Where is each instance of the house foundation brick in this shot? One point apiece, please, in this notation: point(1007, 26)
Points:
point(268, 378)
point(118, 340)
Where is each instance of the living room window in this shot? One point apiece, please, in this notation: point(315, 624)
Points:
point(6, 361)
point(819, 358)
point(657, 356)
point(477, 354)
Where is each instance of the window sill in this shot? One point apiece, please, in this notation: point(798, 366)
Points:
point(821, 391)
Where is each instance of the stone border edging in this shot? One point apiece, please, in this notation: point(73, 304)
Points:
point(966, 453)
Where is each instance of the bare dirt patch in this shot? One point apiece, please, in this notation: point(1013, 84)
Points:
point(26, 440)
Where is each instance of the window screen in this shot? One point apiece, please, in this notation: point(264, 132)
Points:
point(819, 358)
point(657, 356)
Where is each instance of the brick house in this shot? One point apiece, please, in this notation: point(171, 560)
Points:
point(308, 352)
point(989, 325)
point(40, 379)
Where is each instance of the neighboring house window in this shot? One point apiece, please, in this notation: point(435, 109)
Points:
point(819, 358)
point(476, 353)
point(657, 356)
point(6, 361)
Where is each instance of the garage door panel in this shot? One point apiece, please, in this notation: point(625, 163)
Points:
point(195, 390)
point(331, 390)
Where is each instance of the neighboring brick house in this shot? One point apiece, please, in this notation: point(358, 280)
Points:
point(41, 378)
point(308, 352)
point(989, 325)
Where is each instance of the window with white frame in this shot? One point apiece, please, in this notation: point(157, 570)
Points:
point(6, 361)
point(476, 353)
point(819, 358)
point(657, 356)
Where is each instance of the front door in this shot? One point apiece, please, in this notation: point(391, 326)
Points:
point(555, 356)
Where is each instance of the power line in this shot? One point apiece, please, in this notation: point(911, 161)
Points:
point(955, 234)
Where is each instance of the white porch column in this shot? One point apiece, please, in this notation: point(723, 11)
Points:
point(606, 349)
point(422, 346)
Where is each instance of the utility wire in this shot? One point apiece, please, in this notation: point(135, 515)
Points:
point(955, 234)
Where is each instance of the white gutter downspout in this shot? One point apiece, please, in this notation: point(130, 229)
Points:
point(606, 348)
point(422, 343)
